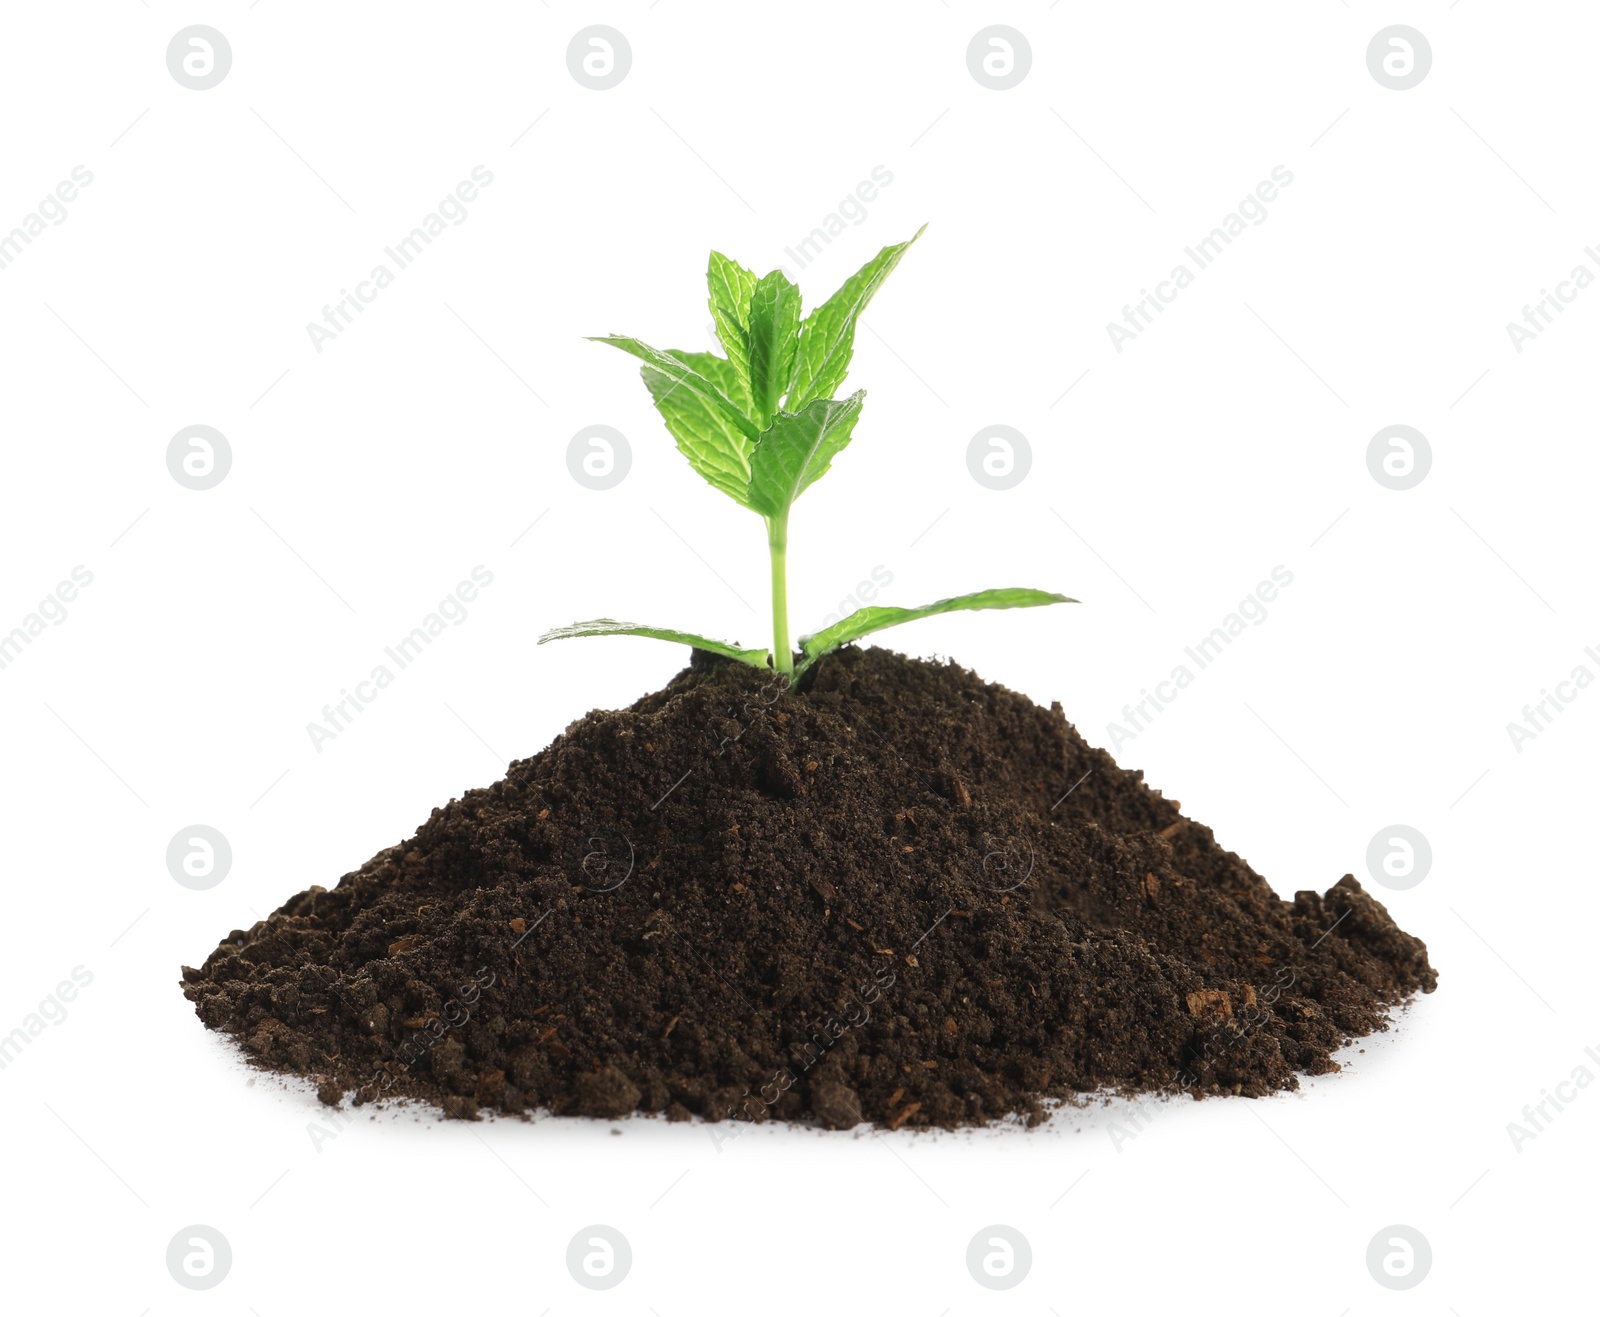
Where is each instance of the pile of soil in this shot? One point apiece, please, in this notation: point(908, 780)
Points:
point(896, 894)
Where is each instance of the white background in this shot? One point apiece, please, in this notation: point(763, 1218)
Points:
point(369, 478)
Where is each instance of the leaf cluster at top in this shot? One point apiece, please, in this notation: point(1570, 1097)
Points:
point(761, 424)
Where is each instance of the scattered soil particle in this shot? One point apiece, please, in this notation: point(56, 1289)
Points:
point(898, 894)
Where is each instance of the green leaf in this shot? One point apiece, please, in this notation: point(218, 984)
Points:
point(714, 445)
point(719, 370)
point(774, 335)
point(864, 621)
point(796, 451)
point(828, 336)
point(684, 376)
point(605, 626)
point(731, 288)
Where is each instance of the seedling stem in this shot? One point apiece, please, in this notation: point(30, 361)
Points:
point(777, 546)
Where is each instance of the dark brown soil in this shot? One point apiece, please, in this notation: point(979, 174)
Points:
point(898, 894)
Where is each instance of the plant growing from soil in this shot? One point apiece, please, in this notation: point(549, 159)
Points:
point(873, 962)
point(762, 426)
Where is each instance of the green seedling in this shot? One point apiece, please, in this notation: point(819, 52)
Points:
point(762, 426)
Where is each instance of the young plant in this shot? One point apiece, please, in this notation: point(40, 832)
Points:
point(762, 426)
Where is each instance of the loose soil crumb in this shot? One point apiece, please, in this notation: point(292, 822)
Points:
point(898, 894)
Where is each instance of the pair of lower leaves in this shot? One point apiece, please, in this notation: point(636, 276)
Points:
point(863, 622)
